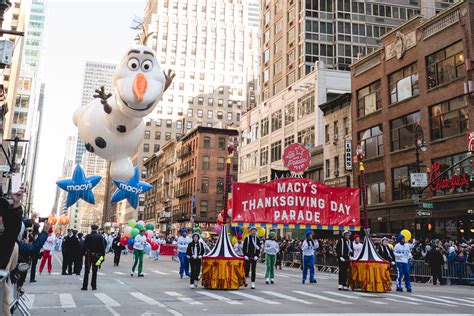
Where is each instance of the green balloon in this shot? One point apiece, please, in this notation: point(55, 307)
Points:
point(135, 232)
point(132, 223)
point(139, 227)
point(150, 227)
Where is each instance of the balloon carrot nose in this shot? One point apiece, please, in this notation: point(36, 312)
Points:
point(139, 87)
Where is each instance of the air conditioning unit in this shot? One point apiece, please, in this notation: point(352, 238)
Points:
point(336, 173)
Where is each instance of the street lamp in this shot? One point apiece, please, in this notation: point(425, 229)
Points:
point(420, 144)
point(360, 156)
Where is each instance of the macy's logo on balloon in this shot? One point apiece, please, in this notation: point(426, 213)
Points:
point(79, 187)
point(129, 188)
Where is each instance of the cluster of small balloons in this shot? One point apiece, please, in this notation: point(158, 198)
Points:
point(133, 229)
point(238, 233)
point(61, 220)
point(220, 217)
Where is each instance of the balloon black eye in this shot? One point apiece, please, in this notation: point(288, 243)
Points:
point(147, 65)
point(133, 64)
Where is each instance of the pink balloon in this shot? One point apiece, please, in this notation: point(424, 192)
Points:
point(218, 229)
point(149, 233)
point(229, 212)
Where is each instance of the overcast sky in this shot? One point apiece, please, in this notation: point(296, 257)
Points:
point(76, 31)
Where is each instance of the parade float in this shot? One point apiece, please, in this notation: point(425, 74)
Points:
point(369, 272)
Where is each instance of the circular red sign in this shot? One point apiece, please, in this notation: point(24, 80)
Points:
point(296, 158)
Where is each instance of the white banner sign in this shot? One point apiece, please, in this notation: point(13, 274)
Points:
point(348, 154)
point(418, 180)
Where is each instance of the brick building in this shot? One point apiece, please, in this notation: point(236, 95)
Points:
point(201, 171)
point(337, 142)
point(421, 76)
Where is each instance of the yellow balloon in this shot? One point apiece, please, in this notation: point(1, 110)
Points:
point(406, 233)
point(233, 240)
point(261, 232)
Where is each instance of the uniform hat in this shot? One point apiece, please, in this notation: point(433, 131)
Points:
point(184, 230)
point(346, 232)
point(253, 228)
point(94, 227)
point(400, 237)
point(385, 238)
point(356, 235)
point(271, 234)
point(196, 234)
point(308, 232)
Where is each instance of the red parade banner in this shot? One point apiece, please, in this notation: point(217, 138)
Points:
point(296, 201)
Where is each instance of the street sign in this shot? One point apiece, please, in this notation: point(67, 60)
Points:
point(423, 213)
point(418, 179)
point(4, 168)
point(428, 205)
point(416, 197)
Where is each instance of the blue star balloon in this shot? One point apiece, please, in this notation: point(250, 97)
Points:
point(79, 187)
point(130, 190)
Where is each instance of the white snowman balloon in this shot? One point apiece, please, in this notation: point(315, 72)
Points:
point(112, 125)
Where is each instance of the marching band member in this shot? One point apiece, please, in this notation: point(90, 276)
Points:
point(251, 254)
point(194, 253)
point(344, 251)
point(308, 248)
point(183, 242)
point(386, 252)
point(271, 250)
point(403, 255)
point(356, 247)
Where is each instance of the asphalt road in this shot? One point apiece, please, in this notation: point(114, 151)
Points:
point(162, 292)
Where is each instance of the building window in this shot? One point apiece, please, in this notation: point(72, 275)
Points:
point(189, 124)
point(306, 105)
point(219, 205)
point(207, 142)
point(147, 135)
point(205, 162)
point(275, 151)
point(169, 123)
point(371, 141)
point(200, 100)
point(190, 112)
point(266, 75)
point(401, 182)
point(210, 102)
point(205, 185)
point(369, 99)
point(327, 169)
point(220, 163)
point(220, 115)
point(170, 110)
point(326, 133)
point(265, 126)
point(158, 122)
point(307, 136)
point(289, 114)
point(463, 168)
point(403, 131)
point(157, 135)
point(203, 209)
point(220, 185)
point(221, 143)
point(403, 84)
point(336, 130)
point(289, 140)
point(345, 126)
point(375, 186)
point(179, 124)
point(336, 166)
point(229, 116)
point(156, 148)
point(264, 156)
point(220, 102)
point(449, 118)
point(276, 121)
point(146, 148)
point(210, 114)
point(167, 136)
point(445, 65)
point(199, 113)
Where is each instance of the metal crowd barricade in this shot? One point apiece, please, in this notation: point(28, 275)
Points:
point(326, 263)
point(20, 302)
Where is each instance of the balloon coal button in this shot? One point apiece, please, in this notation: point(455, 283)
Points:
point(100, 142)
point(121, 129)
point(89, 148)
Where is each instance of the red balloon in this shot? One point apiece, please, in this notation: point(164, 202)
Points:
point(148, 240)
point(154, 245)
point(124, 241)
point(130, 247)
point(229, 203)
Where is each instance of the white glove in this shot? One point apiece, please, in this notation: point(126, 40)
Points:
point(195, 256)
point(342, 259)
point(393, 263)
point(255, 258)
point(200, 257)
point(246, 258)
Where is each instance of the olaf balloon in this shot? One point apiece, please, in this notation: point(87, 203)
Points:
point(112, 126)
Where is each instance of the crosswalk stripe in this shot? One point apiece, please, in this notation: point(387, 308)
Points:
point(418, 300)
point(160, 272)
point(32, 299)
point(377, 302)
point(146, 299)
point(101, 273)
point(340, 294)
point(457, 299)
point(400, 301)
point(54, 273)
point(219, 298)
point(119, 273)
point(107, 300)
point(290, 298)
point(183, 298)
point(255, 298)
point(324, 298)
point(66, 300)
point(442, 300)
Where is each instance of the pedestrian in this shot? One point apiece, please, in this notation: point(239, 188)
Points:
point(308, 248)
point(35, 256)
point(271, 249)
point(385, 251)
point(138, 250)
point(239, 247)
point(194, 253)
point(344, 252)
point(48, 249)
point(65, 252)
point(80, 259)
point(279, 256)
point(117, 247)
point(94, 251)
point(356, 247)
point(251, 251)
point(435, 260)
point(183, 242)
point(403, 255)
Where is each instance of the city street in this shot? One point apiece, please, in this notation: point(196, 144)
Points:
point(161, 292)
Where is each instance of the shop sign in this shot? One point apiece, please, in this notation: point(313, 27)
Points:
point(296, 158)
point(348, 154)
point(449, 182)
point(470, 141)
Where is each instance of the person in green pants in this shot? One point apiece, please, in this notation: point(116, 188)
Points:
point(138, 249)
point(271, 249)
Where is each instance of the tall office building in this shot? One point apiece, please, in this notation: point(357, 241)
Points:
point(96, 74)
point(296, 34)
point(212, 46)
